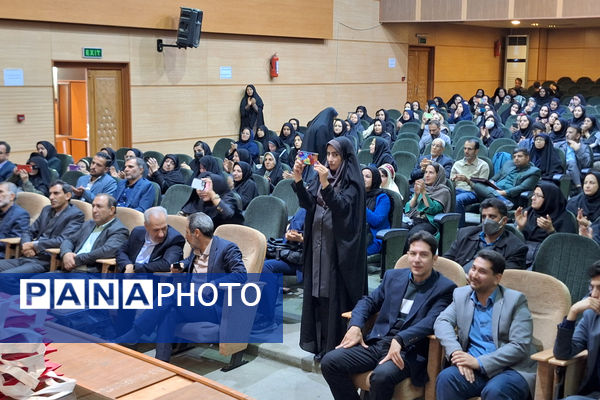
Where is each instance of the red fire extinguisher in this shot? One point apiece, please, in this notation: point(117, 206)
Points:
point(274, 66)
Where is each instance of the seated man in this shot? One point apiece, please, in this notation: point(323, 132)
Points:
point(6, 167)
point(135, 191)
point(437, 155)
point(98, 181)
point(573, 337)
point(578, 155)
point(210, 254)
point(513, 179)
point(14, 220)
point(491, 234)
point(102, 237)
point(152, 247)
point(491, 355)
point(57, 222)
point(462, 171)
point(435, 131)
point(408, 301)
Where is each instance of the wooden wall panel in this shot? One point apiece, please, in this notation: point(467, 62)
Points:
point(291, 18)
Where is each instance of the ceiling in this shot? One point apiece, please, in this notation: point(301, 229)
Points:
point(561, 23)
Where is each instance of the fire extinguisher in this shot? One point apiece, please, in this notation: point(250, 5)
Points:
point(274, 66)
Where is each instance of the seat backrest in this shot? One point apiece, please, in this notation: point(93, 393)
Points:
point(284, 191)
point(365, 157)
point(403, 186)
point(465, 130)
point(539, 288)
point(567, 256)
point(410, 127)
point(500, 142)
point(130, 217)
point(154, 154)
point(157, 193)
point(184, 158)
point(187, 174)
point(175, 198)
point(272, 226)
point(33, 203)
point(85, 207)
point(221, 148)
point(405, 161)
point(398, 208)
point(251, 243)
point(65, 160)
point(406, 144)
point(180, 223)
point(71, 177)
point(444, 266)
point(120, 153)
point(262, 184)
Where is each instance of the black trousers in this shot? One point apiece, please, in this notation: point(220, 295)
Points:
point(339, 365)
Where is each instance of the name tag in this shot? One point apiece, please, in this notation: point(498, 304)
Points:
point(406, 306)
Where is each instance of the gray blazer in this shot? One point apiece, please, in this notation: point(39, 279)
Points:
point(512, 328)
point(107, 245)
point(50, 232)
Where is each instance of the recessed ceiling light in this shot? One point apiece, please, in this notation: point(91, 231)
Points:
point(535, 24)
point(515, 22)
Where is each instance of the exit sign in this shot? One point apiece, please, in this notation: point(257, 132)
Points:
point(89, 52)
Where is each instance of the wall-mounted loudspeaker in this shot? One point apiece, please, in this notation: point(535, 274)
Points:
point(190, 24)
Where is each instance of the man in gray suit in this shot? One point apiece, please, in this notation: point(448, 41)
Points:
point(491, 355)
point(572, 339)
point(102, 237)
point(56, 222)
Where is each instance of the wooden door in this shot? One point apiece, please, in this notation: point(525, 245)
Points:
point(105, 102)
point(420, 74)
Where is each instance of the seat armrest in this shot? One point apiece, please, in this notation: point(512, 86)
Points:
point(15, 240)
point(53, 252)
point(55, 262)
point(572, 360)
point(386, 234)
point(445, 217)
point(543, 356)
point(107, 263)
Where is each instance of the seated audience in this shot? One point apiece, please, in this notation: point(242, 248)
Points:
point(246, 142)
point(513, 178)
point(101, 237)
point(434, 133)
point(586, 206)
point(578, 155)
point(36, 181)
point(546, 215)
point(14, 220)
point(263, 134)
point(287, 133)
point(491, 234)
point(235, 156)
point(135, 191)
point(490, 131)
point(200, 149)
point(243, 184)
point(168, 174)
point(397, 347)
point(388, 174)
point(152, 247)
point(573, 337)
point(114, 166)
point(590, 133)
point(378, 132)
point(380, 150)
point(462, 113)
point(379, 207)
point(271, 169)
point(48, 152)
point(84, 166)
point(56, 223)
point(6, 166)
point(206, 164)
point(437, 155)
point(98, 181)
point(295, 149)
point(487, 335)
point(545, 157)
point(216, 200)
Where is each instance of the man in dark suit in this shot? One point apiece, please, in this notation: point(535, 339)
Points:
point(14, 220)
point(408, 302)
point(152, 247)
point(437, 155)
point(6, 167)
point(56, 223)
point(102, 237)
point(572, 338)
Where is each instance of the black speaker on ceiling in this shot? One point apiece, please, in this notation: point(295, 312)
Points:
point(190, 24)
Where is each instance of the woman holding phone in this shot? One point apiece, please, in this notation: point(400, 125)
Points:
point(334, 245)
point(34, 177)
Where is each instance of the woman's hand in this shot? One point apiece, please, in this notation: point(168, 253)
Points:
point(227, 165)
point(152, 165)
point(298, 168)
point(323, 172)
point(24, 175)
point(521, 218)
point(419, 186)
point(545, 223)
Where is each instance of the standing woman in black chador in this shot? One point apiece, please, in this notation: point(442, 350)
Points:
point(334, 245)
point(319, 133)
point(251, 110)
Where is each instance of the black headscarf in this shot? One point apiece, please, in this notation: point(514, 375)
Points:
point(113, 157)
point(554, 205)
point(546, 158)
point(371, 198)
point(578, 121)
point(265, 139)
point(382, 154)
point(274, 175)
point(194, 164)
point(250, 118)
point(246, 187)
point(53, 161)
point(210, 163)
point(41, 181)
point(289, 140)
point(319, 133)
point(506, 113)
point(524, 132)
point(138, 153)
point(560, 135)
point(166, 179)
point(294, 151)
point(365, 116)
point(590, 205)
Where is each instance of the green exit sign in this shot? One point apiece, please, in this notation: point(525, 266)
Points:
point(89, 52)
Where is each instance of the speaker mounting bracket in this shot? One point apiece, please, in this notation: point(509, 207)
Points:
point(160, 45)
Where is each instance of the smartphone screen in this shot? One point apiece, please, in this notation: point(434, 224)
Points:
point(24, 167)
point(198, 184)
point(307, 157)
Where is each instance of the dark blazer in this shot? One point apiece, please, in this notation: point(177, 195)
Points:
point(6, 171)
point(525, 179)
point(224, 257)
point(466, 245)
point(107, 245)
point(51, 232)
point(586, 335)
point(387, 299)
point(443, 160)
point(141, 197)
point(14, 224)
point(163, 255)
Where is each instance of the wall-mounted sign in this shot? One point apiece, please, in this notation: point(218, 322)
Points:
point(89, 52)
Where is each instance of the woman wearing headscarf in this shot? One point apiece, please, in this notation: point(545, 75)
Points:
point(586, 206)
point(278, 150)
point(361, 111)
point(559, 130)
point(546, 215)
point(555, 106)
point(298, 137)
point(235, 156)
point(114, 166)
point(251, 109)
point(577, 100)
point(335, 273)
point(590, 133)
point(168, 174)
point(431, 197)
point(36, 181)
point(544, 156)
point(578, 116)
point(380, 150)
point(531, 106)
point(243, 183)
point(263, 134)
point(462, 113)
point(490, 131)
point(48, 151)
point(206, 164)
point(543, 96)
point(514, 109)
point(216, 200)
point(543, 114)
point(379, 132)
point(246, 142)
point(498, 97)
point(453, 102)
point(525, 128)
point(133, 153)
point(378, 207)
point(286, 134)
point(319, 133)
point(271, 169)
point(388, 174)
point(295, 123)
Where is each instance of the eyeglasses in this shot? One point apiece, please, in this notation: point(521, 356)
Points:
point(539, 196)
